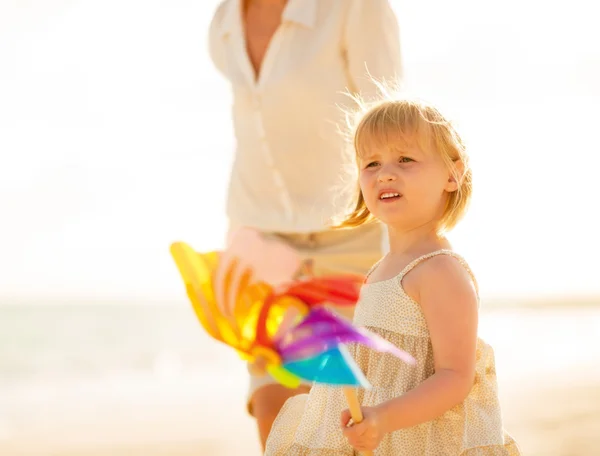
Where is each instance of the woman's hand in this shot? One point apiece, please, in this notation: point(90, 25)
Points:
point(250, 258)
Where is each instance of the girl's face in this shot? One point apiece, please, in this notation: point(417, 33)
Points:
point(403, 185)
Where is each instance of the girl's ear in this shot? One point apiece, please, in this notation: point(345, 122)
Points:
point(455, 177)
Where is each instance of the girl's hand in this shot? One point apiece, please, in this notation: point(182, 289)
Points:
point(366, 435)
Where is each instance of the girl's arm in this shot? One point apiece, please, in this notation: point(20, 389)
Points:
point(449, 302)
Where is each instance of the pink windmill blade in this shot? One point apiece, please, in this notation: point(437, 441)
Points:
point(254, 259)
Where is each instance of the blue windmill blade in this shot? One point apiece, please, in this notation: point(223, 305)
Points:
point(332, 367)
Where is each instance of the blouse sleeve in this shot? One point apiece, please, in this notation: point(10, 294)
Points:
point(216, 48)
point(372, 41)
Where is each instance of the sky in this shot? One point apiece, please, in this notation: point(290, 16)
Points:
point(116, 140)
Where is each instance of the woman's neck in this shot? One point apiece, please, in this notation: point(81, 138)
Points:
point(265, 2)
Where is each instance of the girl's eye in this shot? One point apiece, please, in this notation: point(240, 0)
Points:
point(370, 165)
point(405, 160)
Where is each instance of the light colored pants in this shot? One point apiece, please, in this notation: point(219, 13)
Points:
point(331, 252)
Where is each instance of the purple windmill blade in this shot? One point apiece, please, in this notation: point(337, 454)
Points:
point(321, 330)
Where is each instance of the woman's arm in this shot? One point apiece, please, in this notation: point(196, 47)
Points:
point(372, 44)
point(448, 299)
point(216, 49)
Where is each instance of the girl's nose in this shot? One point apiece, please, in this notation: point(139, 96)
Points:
point(387, 174)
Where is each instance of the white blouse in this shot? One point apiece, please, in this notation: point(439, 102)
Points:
point(289, 154)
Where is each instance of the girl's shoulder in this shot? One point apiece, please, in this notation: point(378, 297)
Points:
point(442, 261)
point(442, 265)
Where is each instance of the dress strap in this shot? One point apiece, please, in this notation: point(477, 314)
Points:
point(370, 271)
point(409, 267)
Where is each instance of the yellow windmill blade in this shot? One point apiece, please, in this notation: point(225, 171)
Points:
point(197, 271)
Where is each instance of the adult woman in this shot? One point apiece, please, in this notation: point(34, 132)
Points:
point(289, 63)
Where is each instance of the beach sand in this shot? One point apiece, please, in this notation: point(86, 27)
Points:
point(550, 400)
point(559, 419)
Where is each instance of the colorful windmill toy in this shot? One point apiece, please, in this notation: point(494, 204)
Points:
point(284, 330)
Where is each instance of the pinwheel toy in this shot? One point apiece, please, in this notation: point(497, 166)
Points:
point(284, 330)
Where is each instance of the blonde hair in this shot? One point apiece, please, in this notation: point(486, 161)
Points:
point(392, 119)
